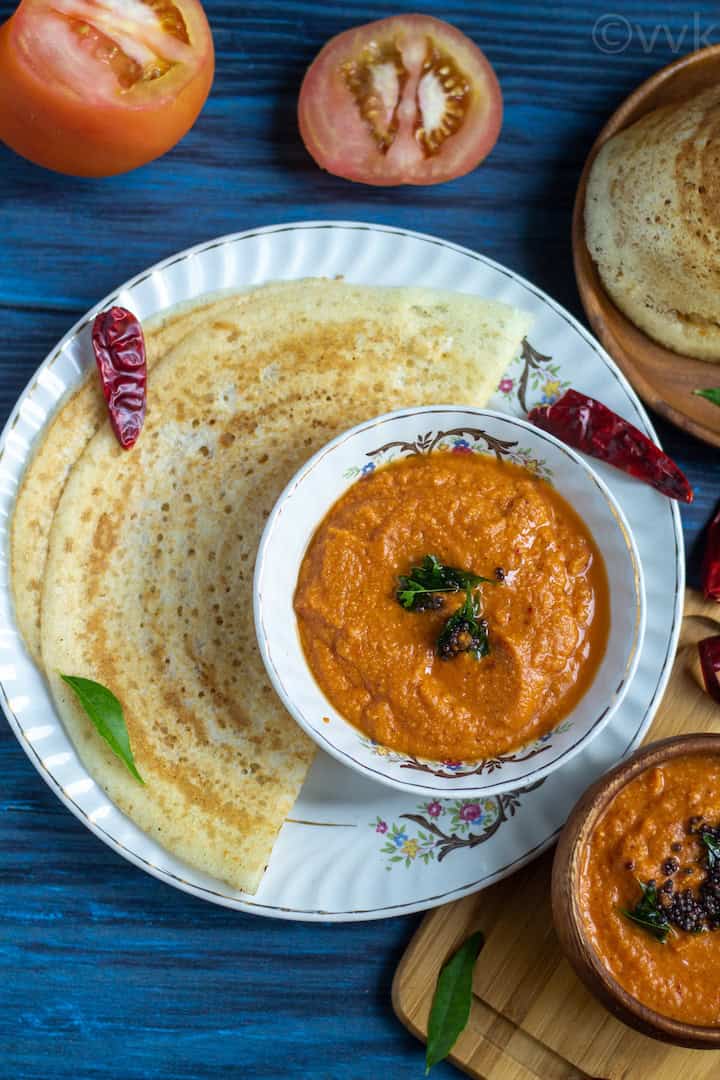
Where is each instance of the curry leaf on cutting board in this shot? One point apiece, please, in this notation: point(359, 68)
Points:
point(712, 394)
point(105, 712)
point(451, 1003)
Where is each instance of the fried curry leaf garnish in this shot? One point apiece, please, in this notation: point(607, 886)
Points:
point(432, 577)
point(649, 914)
point(105, 712)
point(712, 394)
point(450, 1009)
point(464, 631)
point(713, 849)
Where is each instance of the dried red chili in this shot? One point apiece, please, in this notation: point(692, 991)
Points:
point(588, 425)
point(711, 562)
point(119, 347)
point(709, 649)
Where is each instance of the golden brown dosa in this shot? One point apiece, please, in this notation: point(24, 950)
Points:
point(652, 222)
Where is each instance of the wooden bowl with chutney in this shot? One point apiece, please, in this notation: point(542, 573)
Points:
point(636, 890)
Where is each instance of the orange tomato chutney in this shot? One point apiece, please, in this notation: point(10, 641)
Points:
point(377, 663)
point(646, 824)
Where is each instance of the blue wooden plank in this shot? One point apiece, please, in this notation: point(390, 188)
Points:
point(105, 972)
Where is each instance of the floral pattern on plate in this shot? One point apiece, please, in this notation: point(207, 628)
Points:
point(442, 826)
point(532, 379)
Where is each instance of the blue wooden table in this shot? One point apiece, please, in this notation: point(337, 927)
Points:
point(105, 972)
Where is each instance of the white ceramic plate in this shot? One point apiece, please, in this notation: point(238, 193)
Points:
point(354, 849)
point(457, 430)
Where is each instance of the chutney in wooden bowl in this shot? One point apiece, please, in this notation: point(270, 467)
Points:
point(636, 890)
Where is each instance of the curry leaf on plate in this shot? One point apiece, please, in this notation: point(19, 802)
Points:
point(451, 1003)
point(105, 712)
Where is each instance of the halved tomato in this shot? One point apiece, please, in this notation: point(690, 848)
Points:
point(406, 100)
point(97, 87)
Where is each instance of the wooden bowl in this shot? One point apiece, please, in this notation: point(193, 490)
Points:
point(565, 902)
point(663, 378)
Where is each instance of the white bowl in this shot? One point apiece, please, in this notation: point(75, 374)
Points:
point(303, 505)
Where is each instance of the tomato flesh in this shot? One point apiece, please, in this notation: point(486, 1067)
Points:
point(97, 87)
point(409, 99)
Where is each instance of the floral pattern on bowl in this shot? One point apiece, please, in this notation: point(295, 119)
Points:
point(449, 429)
point(449, 770)
point(458, 441)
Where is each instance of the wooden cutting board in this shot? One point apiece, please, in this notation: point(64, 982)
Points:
point(531, 1018)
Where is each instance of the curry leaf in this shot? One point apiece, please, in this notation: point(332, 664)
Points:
point(464, 631)
point(648, 913)
point(451, 1003)
point(659, 930)
point(105, 712)
point(713, 849)
point(432, 576)
point(712, 394)
point(409, 591)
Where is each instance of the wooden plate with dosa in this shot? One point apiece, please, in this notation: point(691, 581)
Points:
point(663, 378)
